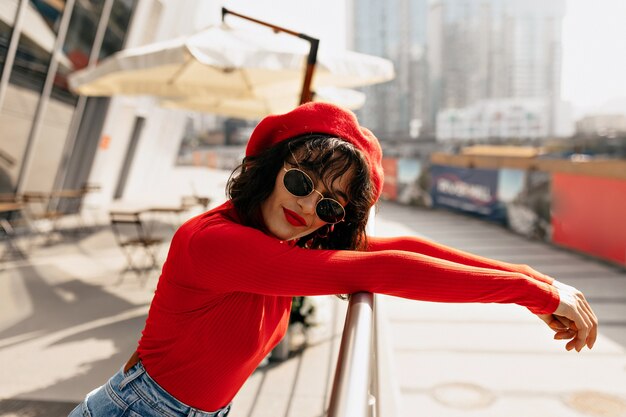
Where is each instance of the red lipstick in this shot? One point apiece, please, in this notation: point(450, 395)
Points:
point(293, 218)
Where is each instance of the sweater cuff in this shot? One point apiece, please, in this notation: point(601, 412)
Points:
point(552, 303)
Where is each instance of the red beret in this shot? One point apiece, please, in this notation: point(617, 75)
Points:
point(317, 117)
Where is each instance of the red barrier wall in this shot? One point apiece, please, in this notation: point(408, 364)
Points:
point(390, 186)
point(589, 214)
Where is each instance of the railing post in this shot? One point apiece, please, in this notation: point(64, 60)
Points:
point(350, 396)
point(374, 378)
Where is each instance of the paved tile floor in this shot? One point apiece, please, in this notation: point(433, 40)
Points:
point(68, 320)
point(499, 360)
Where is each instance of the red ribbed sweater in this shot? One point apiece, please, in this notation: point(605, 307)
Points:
point(223, 300)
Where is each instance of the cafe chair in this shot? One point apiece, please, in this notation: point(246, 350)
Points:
point(193, 205)
point(139, 247)
point(13, 225)
point(188, 207)
point(7, 236)
point(43, 218)
point(190, 201)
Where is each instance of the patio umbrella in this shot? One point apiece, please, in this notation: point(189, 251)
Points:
point(258, 107)
point(223, 62)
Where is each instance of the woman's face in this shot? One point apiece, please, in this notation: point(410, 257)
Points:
point(289, 217)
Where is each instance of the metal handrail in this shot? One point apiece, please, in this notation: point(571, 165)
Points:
point(354, 388)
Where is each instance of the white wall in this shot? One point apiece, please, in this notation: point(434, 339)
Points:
point(153, 177)
point(155, 155)
point(108, 161)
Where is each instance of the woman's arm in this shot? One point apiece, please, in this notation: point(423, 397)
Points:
point(573, 319)
point(231, 257)
point(227, 257)
point(437, 250)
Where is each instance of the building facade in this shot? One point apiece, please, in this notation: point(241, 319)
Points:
point(496, 119)
point(395, 30)
point(609, 125)
point(52, 139)
point(497, 51)
point(41, 42)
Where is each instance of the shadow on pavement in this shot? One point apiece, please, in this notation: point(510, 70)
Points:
point(57, 307)
point(70, 323)
point(124, 334)
point(34, 408)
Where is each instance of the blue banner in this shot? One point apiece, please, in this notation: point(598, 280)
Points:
point(470, 190)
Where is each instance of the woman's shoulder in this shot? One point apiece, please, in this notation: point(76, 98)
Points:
point(216, 224)
point(222, 214)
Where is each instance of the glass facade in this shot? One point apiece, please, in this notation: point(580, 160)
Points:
point(495, 51)
point(40, 26)
point(395, 30)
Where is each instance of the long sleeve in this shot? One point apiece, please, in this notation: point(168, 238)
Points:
point(231, 257)
point(224, 297)
point(437, 250)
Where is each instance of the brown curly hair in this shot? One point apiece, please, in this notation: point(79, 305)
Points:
point(327, 158)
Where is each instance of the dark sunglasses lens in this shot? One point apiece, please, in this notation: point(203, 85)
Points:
point(329, 210)
point(297, 183)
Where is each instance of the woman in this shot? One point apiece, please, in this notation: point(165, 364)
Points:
point(295, 226)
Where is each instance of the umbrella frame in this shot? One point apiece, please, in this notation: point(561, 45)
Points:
point(306, 94)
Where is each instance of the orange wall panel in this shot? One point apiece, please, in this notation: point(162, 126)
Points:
point(589, 215)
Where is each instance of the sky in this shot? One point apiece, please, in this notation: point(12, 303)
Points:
point(594, 53)
point(594, 43)
point(323, 19)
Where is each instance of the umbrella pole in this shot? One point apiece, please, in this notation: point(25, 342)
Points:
point(305, 95)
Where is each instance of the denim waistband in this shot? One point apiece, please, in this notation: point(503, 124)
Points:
point(159, 398)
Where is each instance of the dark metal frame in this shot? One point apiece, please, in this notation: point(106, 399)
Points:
point(306, 95)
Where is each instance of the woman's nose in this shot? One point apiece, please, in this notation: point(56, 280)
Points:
point(309, 202)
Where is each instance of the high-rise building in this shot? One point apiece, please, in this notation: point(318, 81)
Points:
point(395, 30)
point(482, 50)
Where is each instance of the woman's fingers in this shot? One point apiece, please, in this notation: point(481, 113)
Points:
point(552, 322)
point(583, 325)
point(590, 320)
point(571, 344)
point(574, 307)
point(573, 319)
point(593, 330)
point(565, 322)
point(566, 334)
point(593, 333)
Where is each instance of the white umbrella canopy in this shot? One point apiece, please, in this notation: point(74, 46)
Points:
point(221, 61)
point(258, 107)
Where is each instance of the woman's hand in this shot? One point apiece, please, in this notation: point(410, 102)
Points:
point(573, 318)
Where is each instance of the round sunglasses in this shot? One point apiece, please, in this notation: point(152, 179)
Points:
point(299, 184)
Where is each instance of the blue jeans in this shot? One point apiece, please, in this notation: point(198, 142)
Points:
point(135, 394)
